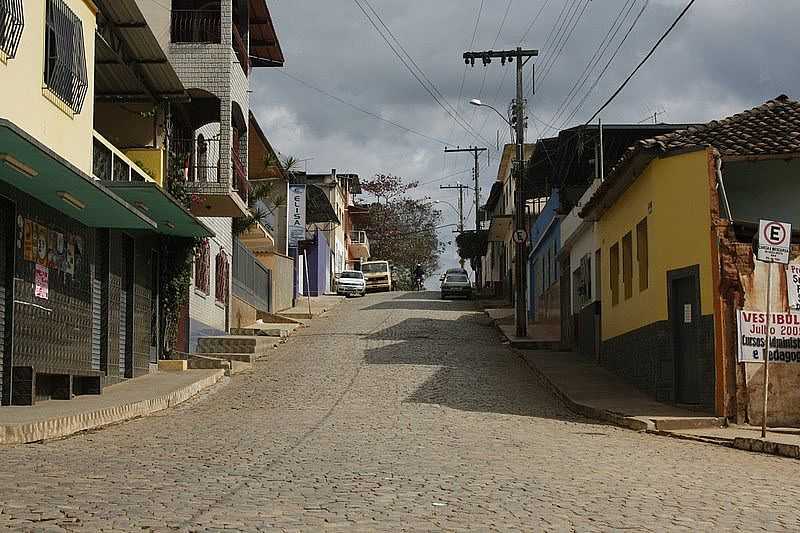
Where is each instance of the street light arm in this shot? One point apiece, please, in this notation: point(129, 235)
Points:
point(478, 103)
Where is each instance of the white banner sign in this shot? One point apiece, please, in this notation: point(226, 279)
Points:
point(296, 214)
point(793, 285)
point(784, 337)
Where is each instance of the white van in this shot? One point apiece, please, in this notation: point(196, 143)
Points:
point(378, 275)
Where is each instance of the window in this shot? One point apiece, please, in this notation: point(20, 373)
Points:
point(65, 59)
point(627, 264)
point(642, 255)
point(613, 273)
point(202, 265)
point(221, 278)
point(12, 22)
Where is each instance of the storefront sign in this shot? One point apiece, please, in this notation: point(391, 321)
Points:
point(296, 214)
point(793, 285)
point(41, 282)
point(784, 337)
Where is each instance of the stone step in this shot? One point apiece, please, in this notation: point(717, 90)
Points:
point(238, 367)
point(227, 344)
point(197, 361)
point(242, 357)
point(692, 422)
point(266, 330)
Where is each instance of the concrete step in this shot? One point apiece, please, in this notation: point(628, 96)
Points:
point(266, 330)
point(242, 357)
point(236, 344)
point(273, 318)
point(197, 361)
point(669, 423)
point(237, 367)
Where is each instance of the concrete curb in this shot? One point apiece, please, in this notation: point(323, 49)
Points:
point(764, 446)
point(54, 428)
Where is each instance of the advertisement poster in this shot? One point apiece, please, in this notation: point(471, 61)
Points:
point(41, 244)
point(52, 245)
point(296, 213)
point(784, 337)
point(27, 240)
point(793, 285)
point(69, 266)
point(40, 289)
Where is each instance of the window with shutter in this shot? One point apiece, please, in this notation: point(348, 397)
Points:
point(65, 57)
point(221, 277)
point(12, 22)
point(202, 266)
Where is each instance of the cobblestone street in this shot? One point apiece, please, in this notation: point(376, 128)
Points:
point(392, 412)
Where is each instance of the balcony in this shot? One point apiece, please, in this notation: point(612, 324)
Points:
point(358, 245)
point(196, 26)
point(212, 195)
point(110, 164)
point(242, 186)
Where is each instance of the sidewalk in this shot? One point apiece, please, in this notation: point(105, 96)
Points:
point(540, 336)
point(135, 398)
point(591, 390)
point(319, 305)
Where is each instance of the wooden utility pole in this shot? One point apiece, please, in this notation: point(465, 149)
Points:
point(518, 121)
point(460, 188)
point(475, 151)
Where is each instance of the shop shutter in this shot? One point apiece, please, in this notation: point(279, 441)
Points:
point(97, 310)
point(123, 328)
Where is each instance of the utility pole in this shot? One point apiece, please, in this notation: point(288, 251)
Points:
point(475, 151)
point(460, 188)
point(521, 57)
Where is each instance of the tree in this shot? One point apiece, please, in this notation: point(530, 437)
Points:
point(472, 246)
point(402, 230)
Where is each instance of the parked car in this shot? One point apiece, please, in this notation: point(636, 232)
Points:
point(452, 271)
point(456, 284)
point(378, 275)
point(351, 283)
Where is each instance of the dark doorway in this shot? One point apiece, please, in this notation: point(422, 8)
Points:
point(684, 316)
point(7, 234)
point(126, 309)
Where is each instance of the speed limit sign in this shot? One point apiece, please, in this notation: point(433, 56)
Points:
point(520, 236)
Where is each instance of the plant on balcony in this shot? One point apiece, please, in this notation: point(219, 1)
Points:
point(265, 198)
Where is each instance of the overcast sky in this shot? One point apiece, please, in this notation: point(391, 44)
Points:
point(723, 57)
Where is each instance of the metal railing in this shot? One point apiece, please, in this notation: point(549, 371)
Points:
point(199, 158)
point(108, 163)
point(359, 237)
point(242, 186)
point(252, 281)
point(196, 26)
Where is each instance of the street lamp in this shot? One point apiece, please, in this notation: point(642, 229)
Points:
point(478, 103)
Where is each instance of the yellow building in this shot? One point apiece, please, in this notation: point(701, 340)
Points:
point(660, 214)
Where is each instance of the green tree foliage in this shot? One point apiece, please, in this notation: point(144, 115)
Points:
point(402, 230)
point(472, 245)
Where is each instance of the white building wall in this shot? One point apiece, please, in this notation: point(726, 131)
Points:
point(206, 316)
point(586, 243)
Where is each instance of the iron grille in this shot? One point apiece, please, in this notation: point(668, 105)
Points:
point(65, 58)
point(202, 266)
point(222, 277)
point(252, 281)
point(12, 22)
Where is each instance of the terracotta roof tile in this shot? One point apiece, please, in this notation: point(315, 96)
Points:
point(769, 129)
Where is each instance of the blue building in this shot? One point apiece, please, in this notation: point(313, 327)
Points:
point(543, 271)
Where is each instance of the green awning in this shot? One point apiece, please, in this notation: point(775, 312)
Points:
point(170, 216)
point(31, 167)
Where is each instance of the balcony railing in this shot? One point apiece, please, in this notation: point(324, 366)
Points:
point(199, 158)
point(359, 237)
point(110, 164)
point(240, 48)
point(240, 178)
point(196, 26)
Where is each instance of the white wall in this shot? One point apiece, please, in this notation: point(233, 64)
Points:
point(207, 317)
point(586, 242)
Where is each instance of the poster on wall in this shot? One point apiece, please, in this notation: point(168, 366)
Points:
point(793, 286)
point(784, 337)
point(27, 240)
point(296, 214)
point(41, 245)
point(69, 266)
point(41, 282)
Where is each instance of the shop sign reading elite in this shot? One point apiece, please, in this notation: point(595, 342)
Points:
point(773, 241)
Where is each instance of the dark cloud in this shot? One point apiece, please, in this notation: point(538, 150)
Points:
point(726, 55)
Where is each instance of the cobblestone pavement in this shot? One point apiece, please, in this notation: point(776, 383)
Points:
point(393, 412)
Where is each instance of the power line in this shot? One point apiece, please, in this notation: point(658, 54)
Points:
point(608, 64)
point(643, 61)
point(565, 37)
point(609, 37)
point(464, 73)
point(360, 109)
point(418, 74)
